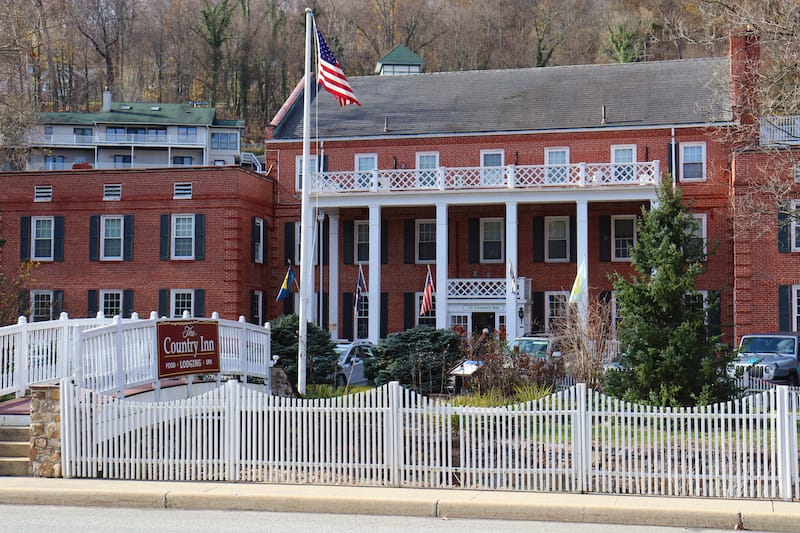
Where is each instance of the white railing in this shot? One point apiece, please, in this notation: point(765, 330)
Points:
point(111, 355)
point(471, 178)
point(116, 138)
point(780, 130)
point(577, 440)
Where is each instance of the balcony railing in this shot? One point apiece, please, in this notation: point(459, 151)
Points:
point(470, 178)
point(780, 130)
point(485, 289)
point(117, 138)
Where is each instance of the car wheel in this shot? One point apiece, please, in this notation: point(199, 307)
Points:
point(341, 381)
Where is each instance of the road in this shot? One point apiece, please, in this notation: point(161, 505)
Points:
point(38, 518)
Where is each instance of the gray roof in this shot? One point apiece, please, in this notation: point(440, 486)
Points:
point(690, 91)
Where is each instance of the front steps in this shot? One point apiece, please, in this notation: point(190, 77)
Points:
point(15, 451)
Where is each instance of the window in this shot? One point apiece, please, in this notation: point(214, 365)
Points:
point(362, 241)
point(111, 241)
point(623, 229)
point(429, 318)
point(183, 237)
point(185, 160)
point(219, 162)
point(42, 193)
point(115, 134)
point(42, 241)
point(697, 243)
point(362, 317)
point(112, 191)
point(258, 240)
point(555, 308)
point(54, 162)
point(48, 132)
point(181, 300)
point(364, 165)
point(492, 163)
point(181, 191)
point(796, 172)
point(122, 161)
point(426, 241)
point(224, 141)
point(427, 165)
point(111, 300)
point(556, 239)
point(187, 134)
point(256, 307)
point(297, 242)
point(298, 170)
point(42, 303)
point(83, 135)
point(137, 134)
point(693, 161)
point(697, 300)
point(796, 307)
point(157, 135)
point(492, 240)
point(623, 158)
point(556, 160)
point(459, 324)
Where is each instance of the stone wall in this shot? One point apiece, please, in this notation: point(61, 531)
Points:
point(45, 453)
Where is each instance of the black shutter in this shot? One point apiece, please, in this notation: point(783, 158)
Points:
point(537, 320)
point(474, 236)
point(409, 239)
point(673, 151)
point(127, 232)
point(348, 227)
point(58, 238)
point(58, 303)
point(785, 308)
point(347, 316)
point(326, 241)
point(164, 237)
point(384, 242)
point(324, 166)
point(384, 328)
point(199, 237)
point(573, 239)
point(254, 316)
point(253, 239)
point(714, 313)
point(24, 302)
point(93, 305)
point(127, 303)
point(409, 309)
point(25, 239)
point(604, 226)
point(288, 242)
point(326, 311)
point(538, 239)
point(784, 229)
point(163, 301)
point(94, 238)
point(199, 302)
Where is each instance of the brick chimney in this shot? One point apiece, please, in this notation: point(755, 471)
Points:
point(745, 56)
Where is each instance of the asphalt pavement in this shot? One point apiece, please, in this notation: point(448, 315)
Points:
point(730, 514)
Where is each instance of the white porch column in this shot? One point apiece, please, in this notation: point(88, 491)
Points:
point(333, 274)
point(582, 245)
point(512, 320)
point(374, 275)
point(441, 266)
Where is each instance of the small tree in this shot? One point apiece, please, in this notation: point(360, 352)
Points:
point(12, 284)
point(669, 357)
point(586, 341)
point(321, 362)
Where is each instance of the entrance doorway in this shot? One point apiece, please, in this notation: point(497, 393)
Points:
point(481, 321)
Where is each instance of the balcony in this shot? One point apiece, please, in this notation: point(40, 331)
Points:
point(126, 139)
point(486, 289)
point(780, 130)
point(579, 175)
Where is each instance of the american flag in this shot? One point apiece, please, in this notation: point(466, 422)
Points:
point(331, 75)
point(361, 288)
point(427, 295)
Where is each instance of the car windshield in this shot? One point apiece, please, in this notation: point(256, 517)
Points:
point(781, 345)
point(529, 346)
point(341, 352)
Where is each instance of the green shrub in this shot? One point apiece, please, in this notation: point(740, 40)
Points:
point(320, 359)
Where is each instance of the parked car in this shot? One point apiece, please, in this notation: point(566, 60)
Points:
point(350, 365)
point(769, 356)
point(540, 346)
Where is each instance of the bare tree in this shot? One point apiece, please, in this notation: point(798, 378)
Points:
point(587, 341)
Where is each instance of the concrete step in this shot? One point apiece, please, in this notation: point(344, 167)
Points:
point(15, 466)
point(15, 434)
point(14, 449)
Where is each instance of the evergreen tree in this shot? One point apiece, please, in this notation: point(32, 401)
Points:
point(669, 356)
point(321, 359)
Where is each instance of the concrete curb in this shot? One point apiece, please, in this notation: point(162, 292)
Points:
point(587, 508)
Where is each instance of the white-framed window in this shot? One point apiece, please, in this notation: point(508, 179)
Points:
point(623, 233)
point(257, 308)
point(41, 305)
point(111, 232)
point(556, 238)
point(427, 168)
point(298, 233)
point(362, 317)
point(697, 299)
point(182, 236)
point(623, 160)
point(460, 324)
point(258, 240)
point(111, 302)
point(492, 167)
point(43, 193)
point(42, 240)
point(555, 308)
point(298, 170)
point(699, 237)
point(112, 191)
point(556, 160)
point(181, 300)
point(364, 165)
point(796, 307)
point(182, 190)
point(361, 241)
point(429, 318)
point(492, 240)
point(693, 161)
point(795, 227)
point(426, 241)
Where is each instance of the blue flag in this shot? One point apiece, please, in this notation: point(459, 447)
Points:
point(286, 286)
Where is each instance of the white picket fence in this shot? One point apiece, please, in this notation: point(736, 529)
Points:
point(577, 440)
point(113, 354)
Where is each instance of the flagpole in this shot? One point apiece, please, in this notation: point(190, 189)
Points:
point(305, 218)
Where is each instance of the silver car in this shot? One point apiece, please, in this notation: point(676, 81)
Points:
point(350, 369)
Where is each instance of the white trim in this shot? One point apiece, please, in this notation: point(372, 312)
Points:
point(794, 228)
point(682, 160)
point(298, 170)
point(41, 292)
point(557, 174)
point(259, 253)
point(103, 220)
point(548, 313)
point(101, 303)
point(492, 174)
point(357, 259)
point(51, 256)
point(430, 315)
point(547, 257)
point(174, 237)
point(614, 220)
point(417, 224)
point(483, 223)
point(702, 220)
point(173, 293)
point(795, 307)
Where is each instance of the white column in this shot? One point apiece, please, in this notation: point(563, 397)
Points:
point(582, 250)
point(512, 320)
point(333, 274)
point(441, 266)
point(374, 282)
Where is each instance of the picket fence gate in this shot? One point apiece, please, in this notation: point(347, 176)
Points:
point(576, 440)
